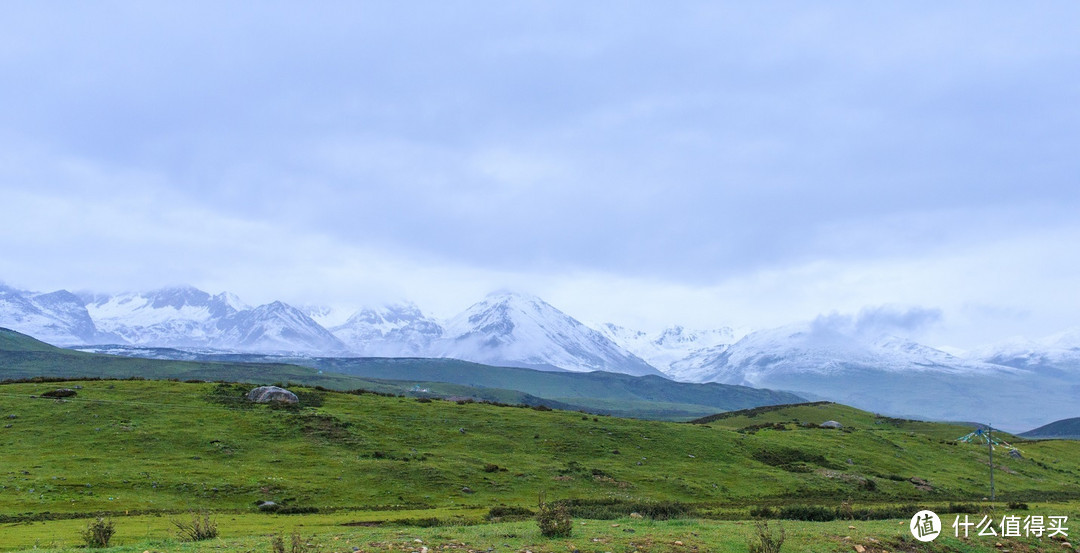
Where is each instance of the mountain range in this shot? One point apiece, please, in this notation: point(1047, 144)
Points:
point(1018, 384)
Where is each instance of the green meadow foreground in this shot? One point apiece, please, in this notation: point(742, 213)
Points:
point(399, 469)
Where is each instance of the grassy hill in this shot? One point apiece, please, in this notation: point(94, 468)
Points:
point(152, 445)
point(618, 394)
point(145, 451)
point(818, 412)
point(1068, 429)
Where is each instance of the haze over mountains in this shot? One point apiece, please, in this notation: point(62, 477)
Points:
point(1015, 385)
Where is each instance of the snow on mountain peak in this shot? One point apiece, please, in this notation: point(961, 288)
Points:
point(391, 330)
point(663, 349)
point(524, 330)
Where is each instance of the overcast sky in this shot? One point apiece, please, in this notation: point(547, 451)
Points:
point(743, 163)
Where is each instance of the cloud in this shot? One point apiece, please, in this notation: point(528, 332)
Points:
point(883, 320)
point(717, 163)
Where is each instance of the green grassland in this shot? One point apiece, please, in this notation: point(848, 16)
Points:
point(342, 533)
point(373, 470)
point(139, 447)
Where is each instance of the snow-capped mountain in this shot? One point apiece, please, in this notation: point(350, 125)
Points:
point(56, 317)
point(169, 317)
point(885, 374)
point(1058, 352)
point(186, 317)
point(275, 327)
point(675, 343)
point(395, 330)
point(524, 331)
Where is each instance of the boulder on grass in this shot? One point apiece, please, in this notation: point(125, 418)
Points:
point(267, 394)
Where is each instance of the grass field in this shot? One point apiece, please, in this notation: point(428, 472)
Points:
point(343, 533)
point(377, 471)
point(148, 451)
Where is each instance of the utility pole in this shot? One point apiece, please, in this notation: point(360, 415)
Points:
point(990, 448)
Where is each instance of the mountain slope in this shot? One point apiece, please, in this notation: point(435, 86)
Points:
point(56, 317)
point(395, 330)
point(274, 327)
point(1058, 354)
point(173, 317)
point(673, 344)
point(891, 375)
point(1068, 429)
point(524, 331)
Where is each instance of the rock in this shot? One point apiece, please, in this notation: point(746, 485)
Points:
point(831, 424)
point(921, 484)
point(13, 416)
point(266, 394)
point(850, 462)
point(677, 542)
point(462, 430)
point(267, 506)
point(60, 392)
point(636, 515)
point(859, 549)
point(466, 489)
point(851, 527)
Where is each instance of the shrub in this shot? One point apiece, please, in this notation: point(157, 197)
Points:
point(201, 527)
point(297, 544)
point(762, 511)
point(809, 513)
point(1018, 506)
point(98, 532)
point(491, 467)
point(766, 540)
point(611, 508)
point(506, 514)
point(553, 519)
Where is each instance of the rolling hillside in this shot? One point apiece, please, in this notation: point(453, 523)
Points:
point(154, 445)
point(1068, 429)
point(608, 393)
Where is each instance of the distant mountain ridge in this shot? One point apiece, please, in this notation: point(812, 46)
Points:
point(1025, 382)
point(888, 374)
point(503, 329)
point(1065, 429)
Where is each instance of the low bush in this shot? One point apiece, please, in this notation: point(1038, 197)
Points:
point(553, 519)
point(762, 511)
point(505, 514)
point(98, 532)
point(809, 513)
point(608, 509)
point(766, 539)
point(201, 527)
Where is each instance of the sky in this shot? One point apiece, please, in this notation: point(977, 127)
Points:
point(701, 163)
